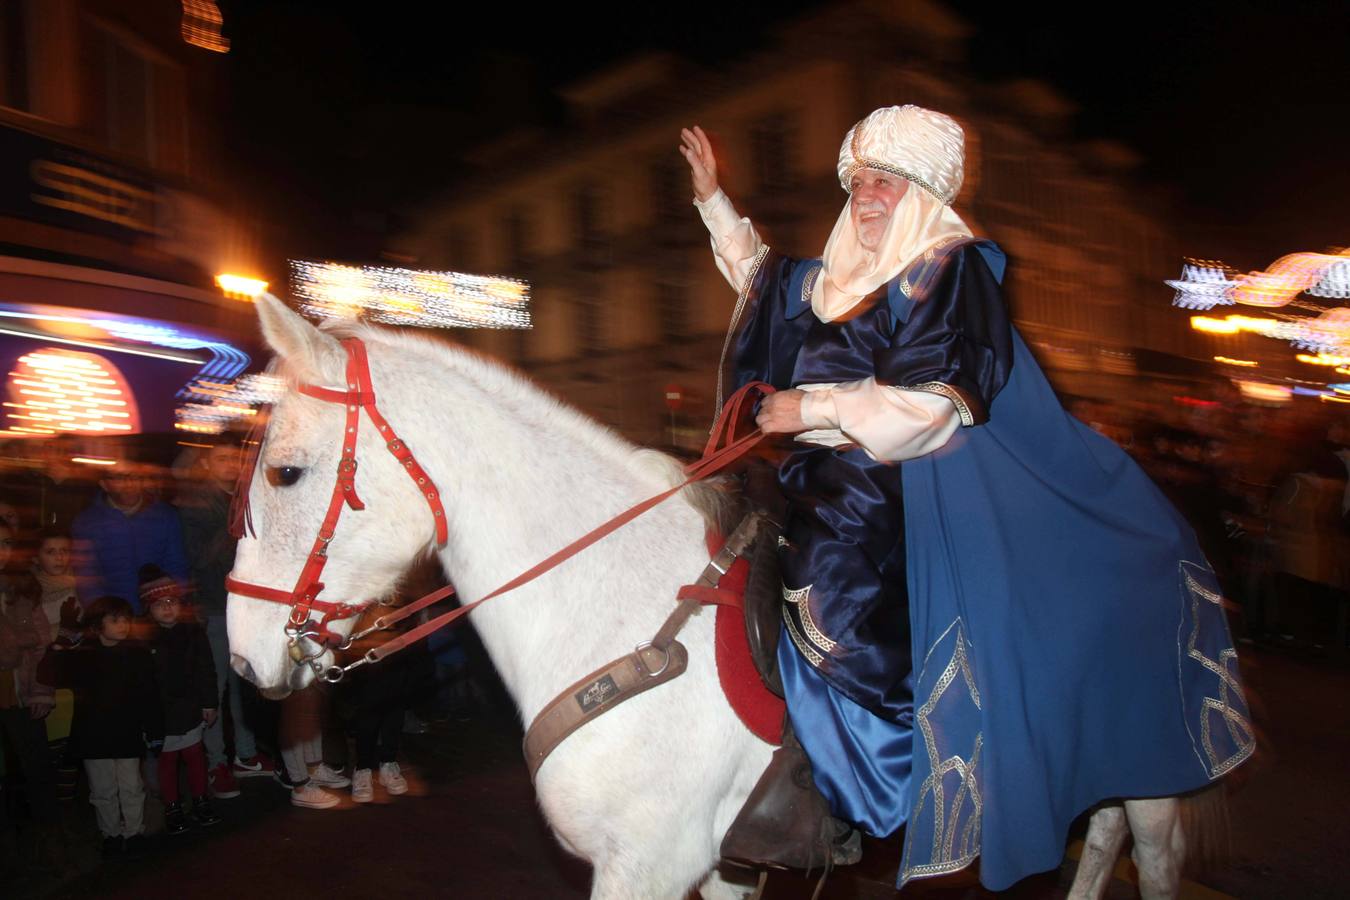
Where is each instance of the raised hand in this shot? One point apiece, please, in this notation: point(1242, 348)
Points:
point(697, 151)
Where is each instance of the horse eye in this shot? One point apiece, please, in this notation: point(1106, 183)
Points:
point(283, 476)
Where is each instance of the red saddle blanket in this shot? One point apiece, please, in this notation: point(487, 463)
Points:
point(758, 708)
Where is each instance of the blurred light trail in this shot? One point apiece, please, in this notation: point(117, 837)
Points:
point(1205, 284)
point(240, 285)
point(1228, 361)
point(93, 461)
point(202, 23)
point(1264, 392)
point(410, 297)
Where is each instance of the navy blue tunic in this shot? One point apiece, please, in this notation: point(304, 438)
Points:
point(985, 641)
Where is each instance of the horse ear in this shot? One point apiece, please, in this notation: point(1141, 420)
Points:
point(313, 356)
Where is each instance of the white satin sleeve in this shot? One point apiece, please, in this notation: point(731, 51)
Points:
point(890, 423)
point(735, 243)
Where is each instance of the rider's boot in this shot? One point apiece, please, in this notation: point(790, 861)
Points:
point(786, 823)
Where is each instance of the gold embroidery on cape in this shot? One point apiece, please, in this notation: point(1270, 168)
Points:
point(736, 320)
point(809, 283)
point(798, 598)
point(1239, 728)
point(950, 851)
point(811, 655)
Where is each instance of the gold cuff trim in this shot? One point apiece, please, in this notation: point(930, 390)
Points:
point(951, 393)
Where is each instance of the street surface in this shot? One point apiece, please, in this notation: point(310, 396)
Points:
point(470, 827)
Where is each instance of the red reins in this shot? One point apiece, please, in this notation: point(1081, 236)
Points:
point(722, 449)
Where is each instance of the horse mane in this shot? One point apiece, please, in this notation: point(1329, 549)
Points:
point(718, 500)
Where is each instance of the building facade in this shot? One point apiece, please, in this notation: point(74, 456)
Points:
point(114, 215)
point(627, 304)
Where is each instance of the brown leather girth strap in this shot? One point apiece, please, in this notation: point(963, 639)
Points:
point(647, 666)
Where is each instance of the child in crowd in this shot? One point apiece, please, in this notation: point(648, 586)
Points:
point(55, 577)
point(117, 716)
point(187, 689)
point(56, 585)
point(24, 698)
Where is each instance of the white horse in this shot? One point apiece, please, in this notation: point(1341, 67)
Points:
point(645, 792)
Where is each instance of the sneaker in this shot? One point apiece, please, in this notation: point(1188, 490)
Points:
point(175, 820)
point(223, 785)
point(203, 814)
point(325, 776)
point(392, 778)
point(112, 847)
point(362, 792)
point(312, 796)
point(256, 766)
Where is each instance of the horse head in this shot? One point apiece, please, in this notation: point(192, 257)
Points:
point(322, 466)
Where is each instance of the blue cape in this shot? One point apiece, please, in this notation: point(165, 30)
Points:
point(1069, 643)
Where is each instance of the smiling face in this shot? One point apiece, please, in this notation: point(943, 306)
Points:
point(874, 196)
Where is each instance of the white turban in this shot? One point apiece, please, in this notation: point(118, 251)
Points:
point(925, 148)
point(917, 144)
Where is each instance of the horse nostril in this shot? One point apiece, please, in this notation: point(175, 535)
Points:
point(242, 668)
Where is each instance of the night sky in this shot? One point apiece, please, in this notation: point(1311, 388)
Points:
point(353, 112)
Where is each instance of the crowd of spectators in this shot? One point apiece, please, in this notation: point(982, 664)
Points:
point(115, 677)
point(115, 682)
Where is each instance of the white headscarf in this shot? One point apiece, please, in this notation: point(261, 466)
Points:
point(925, 148)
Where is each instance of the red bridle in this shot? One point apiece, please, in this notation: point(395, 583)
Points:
point(303, 598)
point(723, 448)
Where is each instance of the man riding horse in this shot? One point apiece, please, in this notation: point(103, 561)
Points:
point(993, 620)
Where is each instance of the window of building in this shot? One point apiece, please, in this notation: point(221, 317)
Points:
point(588, 224)
point(14, 55)
point(461, 250)
point(669, 191)
point(519, 240)
point(672, 306)
point(774, 144)
point(137, 102)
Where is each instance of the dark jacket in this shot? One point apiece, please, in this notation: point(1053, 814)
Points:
point(185, 675)
point(205, 514)
point(116, 702)
point(111, 547)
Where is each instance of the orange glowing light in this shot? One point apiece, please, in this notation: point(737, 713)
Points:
point(70, 392)
point(1246, 363)
point(241, 286)
point(1211, 325)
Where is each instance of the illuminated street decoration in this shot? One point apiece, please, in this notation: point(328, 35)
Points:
point(220, 405)
point(241, 286)
point(57, 391)
point(220, 363)
point(410, 297)
point(1329, 332)
point(1204, 285)
point(202, 22)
